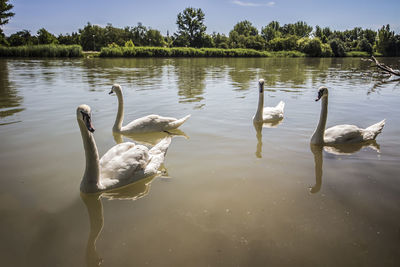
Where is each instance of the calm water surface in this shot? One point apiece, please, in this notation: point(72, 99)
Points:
point(230, 194)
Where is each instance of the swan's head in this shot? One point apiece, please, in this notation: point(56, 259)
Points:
point(115, 88)
point(322, 92)
point(261, 85)
point(84, 114)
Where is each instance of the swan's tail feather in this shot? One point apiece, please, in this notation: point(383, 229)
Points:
point(372, 131)
point(157, 156)
point(281, 106)
point(179, 122)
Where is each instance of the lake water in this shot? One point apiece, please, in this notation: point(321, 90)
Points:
point(230, 194)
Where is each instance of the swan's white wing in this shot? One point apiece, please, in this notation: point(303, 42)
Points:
point(150, 123)
point(341, 134)
point(272, 113)
point(123, 161)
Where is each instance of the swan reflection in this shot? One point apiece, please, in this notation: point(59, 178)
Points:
point(258, 127)
point(340, 149)
point(149, 139)
point(94, 207)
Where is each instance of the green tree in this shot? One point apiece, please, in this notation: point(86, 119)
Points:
point(387, 41)
point(154, 38)
point(191, 28)
point(364, 45)
point(5, 16)
point(44, 37)
point(300, 29)
point(113, 35)
point(287, 43)
point(5, 13)
point(337, 47)
point(271, 31)
point(245, 35)
point(20, 38)
point(245, 28)
point(220, 40)
point(312, 47)
point(69, 39)
point(92, 37)
point(323, 34)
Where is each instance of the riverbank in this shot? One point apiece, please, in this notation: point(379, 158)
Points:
point(76, 51)
point(42, 51)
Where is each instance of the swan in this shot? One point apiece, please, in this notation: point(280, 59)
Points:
point(267, 114)
point(341, 134)
point(121, 165)
point(150, 123)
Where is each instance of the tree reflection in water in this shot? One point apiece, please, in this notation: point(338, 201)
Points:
point(10, 101)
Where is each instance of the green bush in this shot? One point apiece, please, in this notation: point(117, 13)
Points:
point(312, 47)
point(179, 52)
point(337, 47)
point(326, 50)
point(42, 51)
point(129, 44)
point(365, 46)
point(279, 44)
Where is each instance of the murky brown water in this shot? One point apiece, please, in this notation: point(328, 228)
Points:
point(230, 195)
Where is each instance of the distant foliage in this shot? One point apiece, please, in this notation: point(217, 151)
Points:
point(287, 43)
point(179, 52)
point(388, 43)
point(365, 46)
point(44, 37)
point(128, 44)
point(191, 33)
point(312, 47)
point(337, 48)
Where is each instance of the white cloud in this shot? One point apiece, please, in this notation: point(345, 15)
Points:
point(241, 3)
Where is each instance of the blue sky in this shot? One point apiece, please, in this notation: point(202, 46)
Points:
point(66, 16)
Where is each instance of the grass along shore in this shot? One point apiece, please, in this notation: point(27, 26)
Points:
point(147, 51)
point(42, 51)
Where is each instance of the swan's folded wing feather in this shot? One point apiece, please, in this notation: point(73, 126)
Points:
point(123, 161)
point(149, 123)
point(343, 134)
point(272, 113)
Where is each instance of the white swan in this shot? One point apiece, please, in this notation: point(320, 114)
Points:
point(267, 114)
point(150, 123)
point(121, 165)
point(341, 134)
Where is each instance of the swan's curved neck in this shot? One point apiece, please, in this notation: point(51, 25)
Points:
point(91, 178)
point(318, 136)
point(259, 113)
point(120, 114)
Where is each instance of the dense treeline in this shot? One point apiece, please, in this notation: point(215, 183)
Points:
point(191, 32)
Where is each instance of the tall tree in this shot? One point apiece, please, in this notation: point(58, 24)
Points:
point(191, 26)
point(300, 28)
point(271, 31)
point(245, 28)
point(44, 37)
point(5, 16)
